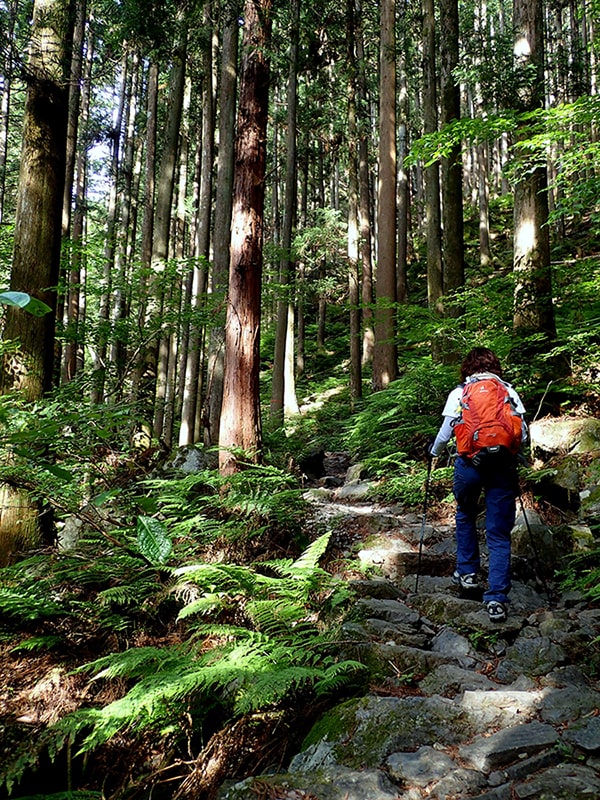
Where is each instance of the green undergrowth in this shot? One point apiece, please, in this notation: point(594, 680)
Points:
point(230, 639)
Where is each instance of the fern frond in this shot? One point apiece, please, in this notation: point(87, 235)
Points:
point(208, 604)
point(338, 675)
point(28, 604)
point(133, 663)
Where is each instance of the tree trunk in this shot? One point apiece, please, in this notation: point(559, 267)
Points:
point(452, 196)
point(240, 417)
point(364, 192)
point(222, 227)
point(534, 311)
point(37, 236)
point(7, 70)
point(37, 240)
point(157, 351)
point(100, 352)
point(283, 393)
point(353, 233)
point(73, 360)
point(435, 286)
point(384, 357)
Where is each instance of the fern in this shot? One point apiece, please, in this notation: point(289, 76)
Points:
point(252, 639)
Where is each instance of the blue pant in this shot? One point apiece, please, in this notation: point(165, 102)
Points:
point(499, 483)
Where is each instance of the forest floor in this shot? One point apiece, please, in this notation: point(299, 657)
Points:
point(36, 689)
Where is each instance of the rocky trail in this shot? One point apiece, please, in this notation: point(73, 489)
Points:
point(464, 708)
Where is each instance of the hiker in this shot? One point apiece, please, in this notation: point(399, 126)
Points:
point(486, 461)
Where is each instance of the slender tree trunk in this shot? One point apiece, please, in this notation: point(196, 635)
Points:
point(157, 352)
point(123, 234)
point(5, 104)
point(190, 430)
point(353, 232)
point(402, 294)
point(452, 195)
point(240, 417)
point(384, 357)
point(283, 393)
point(222, 227)
point(100, 352)
point(364, 192)
point(147, 232)
point(435, 286)
point(73, 356)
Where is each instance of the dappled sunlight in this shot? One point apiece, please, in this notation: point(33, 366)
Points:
point(525, 236)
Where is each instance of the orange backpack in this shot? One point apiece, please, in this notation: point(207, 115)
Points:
point(488, 419)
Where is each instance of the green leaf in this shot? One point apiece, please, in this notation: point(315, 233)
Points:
point(153, 540)
point(26, 302)
point(59, 472)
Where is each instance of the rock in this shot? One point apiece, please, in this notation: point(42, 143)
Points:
point(454, 646)
point(353, 491)
point(368, 730)
point(378, 589)
point(191, 459)
point(564, 435)
point(563, 782)
point(502, 707)
point(421, 768)
point(450, 680)
point(563, 705)
point(490, 752)
point(533, 657)
point(585, 734)
point(390, 610)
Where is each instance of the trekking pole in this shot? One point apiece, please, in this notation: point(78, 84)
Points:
point(535, 551)
point(425, 501)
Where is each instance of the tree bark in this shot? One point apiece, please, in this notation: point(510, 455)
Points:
point(384, 357)
point(283, 393)
point(435, 286)
point(364, 192)
point(157, 352)
point(28, 369)
point(240, 426)
point(222, 227)
point(353, 231)
point(534, 311)
point(37, 236)
point(452, 195)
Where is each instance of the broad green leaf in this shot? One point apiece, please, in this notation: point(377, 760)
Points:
point(153, 540)
point(26, 302)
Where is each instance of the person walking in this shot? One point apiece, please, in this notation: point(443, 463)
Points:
point(486, 462)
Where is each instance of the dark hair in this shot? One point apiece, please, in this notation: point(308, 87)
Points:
point(480, 359)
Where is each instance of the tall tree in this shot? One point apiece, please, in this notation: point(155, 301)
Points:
point(384, 357)
point(240, 425)
point(435, 284)
point(353, 229)
point(534, 311)
point(29, 367)
point(364, 189)
point(5, 103)
point(221, 237)
point(157, 356)
point(452, 195)
point(283, 393)
point(37, 237)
